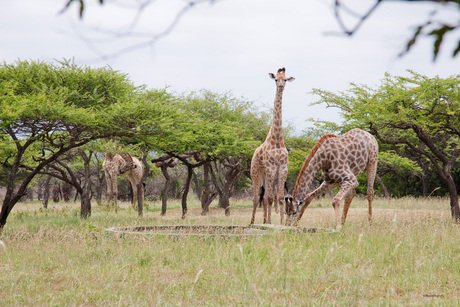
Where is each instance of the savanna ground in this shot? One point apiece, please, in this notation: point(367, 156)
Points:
point(409, 256)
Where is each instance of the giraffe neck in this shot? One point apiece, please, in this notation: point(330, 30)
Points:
point(276, 130)
point(310, 168)
point(306, 178)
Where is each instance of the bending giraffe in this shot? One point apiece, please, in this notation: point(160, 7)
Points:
point(270, 160)
point(121, 164)
point(341, 159)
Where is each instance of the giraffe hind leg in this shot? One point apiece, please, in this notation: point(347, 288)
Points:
point(372, 169)
point(323, 188)
point(257, 184)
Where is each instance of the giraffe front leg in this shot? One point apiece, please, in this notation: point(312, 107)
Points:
point(348, 199)
point(280, 202)
point(323, 188)
point(108, 180)
point(346, 187)
point(115, 192)
point(109, 194)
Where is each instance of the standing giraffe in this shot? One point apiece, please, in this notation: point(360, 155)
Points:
point(270, 160)
point(122, 165)
point(341, 159)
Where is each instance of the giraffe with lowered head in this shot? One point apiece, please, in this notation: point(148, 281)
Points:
point(341, 159)
point(270, 160)
point(122, 164)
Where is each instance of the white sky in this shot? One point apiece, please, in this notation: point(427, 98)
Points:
point(232, 45)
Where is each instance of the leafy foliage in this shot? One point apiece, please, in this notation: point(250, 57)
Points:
point(216, 125)
point(47, 110)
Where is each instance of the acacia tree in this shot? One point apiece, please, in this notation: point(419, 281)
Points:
point(68, 169)
point(57, 108)
point(419, 112)
point(211, 127)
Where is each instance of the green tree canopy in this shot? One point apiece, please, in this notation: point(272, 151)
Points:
point(215, 125)
point(47, 109)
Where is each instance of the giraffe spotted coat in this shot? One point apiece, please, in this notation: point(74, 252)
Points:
point(341, 160)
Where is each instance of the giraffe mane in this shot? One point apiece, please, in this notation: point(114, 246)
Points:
point(305, 164)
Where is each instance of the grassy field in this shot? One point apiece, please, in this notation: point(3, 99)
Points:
point(409, 256)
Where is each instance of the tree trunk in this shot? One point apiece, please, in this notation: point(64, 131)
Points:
point(66, 189)
point(85, 207)
point(56, 192)
point(208, 195)
point(384, 188)
point(196, 183)
point(425, 186)
point(230, 178)
point(454, 207)
point(85, 210)
point(225, 200)
point(7, 206)
point(140, 186)
point(46, 195)
point(140, 199)
point(164, 192)
point(186, 189)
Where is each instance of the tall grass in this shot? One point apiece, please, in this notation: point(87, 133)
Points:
point(409, 256)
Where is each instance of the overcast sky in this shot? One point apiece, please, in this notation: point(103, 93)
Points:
point(232, 45)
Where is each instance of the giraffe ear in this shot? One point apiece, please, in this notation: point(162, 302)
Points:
point(271, 75)
point(290, 79)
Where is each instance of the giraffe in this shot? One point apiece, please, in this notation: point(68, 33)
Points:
point(270, 160)
point(122, 165)
point(341, 159)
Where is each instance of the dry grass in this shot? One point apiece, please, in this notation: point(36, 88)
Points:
point(410, 256)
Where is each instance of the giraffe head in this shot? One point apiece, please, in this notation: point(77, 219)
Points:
point(292, 209)
point(280, 78)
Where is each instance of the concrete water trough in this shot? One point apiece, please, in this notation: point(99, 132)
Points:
point(209, 230)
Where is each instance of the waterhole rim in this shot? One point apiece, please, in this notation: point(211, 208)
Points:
point(212, 230)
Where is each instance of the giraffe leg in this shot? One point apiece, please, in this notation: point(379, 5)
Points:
point(276, 204)
point(108, 180)
point(268, 199)
point(345, 188)
point(275, 196)
point(348, 198)
point(135, 191)
point(323, 188)
point(371, 173)
point(269, 211)
point(256, 184)
point(370, 190)
point(280, 195)
point(115, 190)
